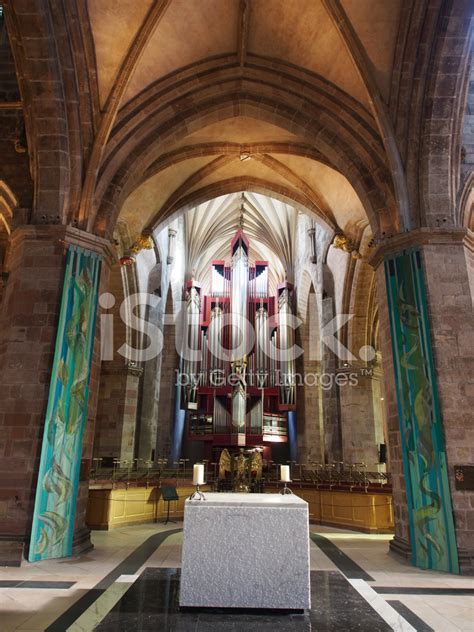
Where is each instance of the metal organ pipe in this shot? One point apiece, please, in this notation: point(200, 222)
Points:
point(261, 283)
point(221, 417)
point(204, 358)
point(287, 362)
point(215, 329)
point(273, 362)
point(239, 298)
point(191, 363)
point(261, 347)
point(240, 282)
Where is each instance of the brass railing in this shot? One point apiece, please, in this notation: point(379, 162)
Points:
point(352, 476)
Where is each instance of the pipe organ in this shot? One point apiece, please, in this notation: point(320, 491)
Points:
point(238, 375)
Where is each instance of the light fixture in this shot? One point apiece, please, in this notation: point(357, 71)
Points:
point(244, 156)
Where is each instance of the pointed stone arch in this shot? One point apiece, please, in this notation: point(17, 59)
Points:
point(444, 107)
point(8, 205)
point(324, 114)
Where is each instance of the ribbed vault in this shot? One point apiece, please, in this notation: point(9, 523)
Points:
point(269, 224)
point(324, 124)
point(126, 90)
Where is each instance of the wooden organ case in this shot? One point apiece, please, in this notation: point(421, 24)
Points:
point(238, 377)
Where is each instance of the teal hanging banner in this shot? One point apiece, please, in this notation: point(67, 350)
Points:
point(58, 479)
point(432, 534)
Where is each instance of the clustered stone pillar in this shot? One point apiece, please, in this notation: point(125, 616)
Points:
point(117, 411)
point(28, 322)
point(309, 397)
point(447, 258)
point(452, 330)
point(362, 427)
point(119, 388)
point(169, 367)
point(330, 396)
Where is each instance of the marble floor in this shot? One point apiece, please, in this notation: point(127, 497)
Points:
point(129, 581)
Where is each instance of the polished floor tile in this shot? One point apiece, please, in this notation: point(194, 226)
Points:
point(35, 584)
point(127, 566)
point(89, 598)
point(152, 604)
point(410, 616)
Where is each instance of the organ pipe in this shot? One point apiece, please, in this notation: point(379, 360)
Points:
point(240, 282)
point(287, 361)
point(262, 347)
point(191, 361)
point(215, 328)
point(218, 326)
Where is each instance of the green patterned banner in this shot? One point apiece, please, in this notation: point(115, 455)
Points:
point(432, 534)
point(58, 479)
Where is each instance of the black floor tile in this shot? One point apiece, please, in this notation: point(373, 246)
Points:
point(343, 562)
point(7, 583)
point(411, 617)
point(152, 603)
point(128, 566)
point(46, 584)
point(420, 590)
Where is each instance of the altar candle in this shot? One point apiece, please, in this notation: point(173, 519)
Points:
point(198, 474)
point(285, 473)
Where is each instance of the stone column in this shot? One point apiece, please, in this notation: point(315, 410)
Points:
point(119, 389)
point(117, 411)
point(330, 395)
point(309, 398)
point(28, 320)
point(360, 430)
point(447, 263)
point(166, 412)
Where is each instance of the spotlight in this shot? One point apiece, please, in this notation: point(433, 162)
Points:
point(245, 156)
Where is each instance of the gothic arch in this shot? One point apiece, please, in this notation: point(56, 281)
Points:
point(59, 96)
point(234, 185)
point(444, 106)
point(466, 204)
point(8, 204)
point(139, 136)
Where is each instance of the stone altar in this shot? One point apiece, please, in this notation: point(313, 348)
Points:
point(246, 551)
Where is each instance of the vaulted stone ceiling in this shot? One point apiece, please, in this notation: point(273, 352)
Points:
point(333, 191)
point(269, 224)
point(300, 32)
point(199, 85)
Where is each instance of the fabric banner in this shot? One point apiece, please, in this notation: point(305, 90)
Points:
point(58, 479)
point(432, 534)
